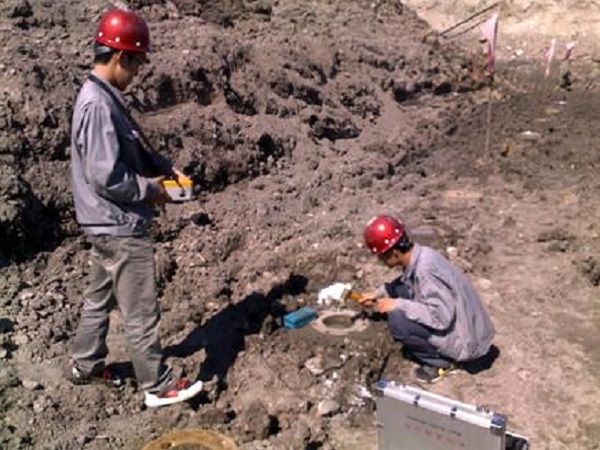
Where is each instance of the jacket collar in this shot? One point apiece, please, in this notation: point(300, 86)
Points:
point(414, 260)
point(113, 91)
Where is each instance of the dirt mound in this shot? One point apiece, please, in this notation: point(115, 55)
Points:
point(225, 105)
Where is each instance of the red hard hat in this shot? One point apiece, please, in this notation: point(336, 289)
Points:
point(382, 233)
point(124, 30)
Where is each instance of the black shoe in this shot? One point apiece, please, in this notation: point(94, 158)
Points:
point(105, 376)
point(429, 374)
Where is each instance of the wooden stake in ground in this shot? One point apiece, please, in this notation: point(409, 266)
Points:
point(490, 30)
point(488, 125)
point(549, 57)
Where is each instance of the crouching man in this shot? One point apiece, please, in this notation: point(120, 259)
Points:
point(432, 308)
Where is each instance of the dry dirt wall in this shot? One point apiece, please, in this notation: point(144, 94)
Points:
point(222, 102)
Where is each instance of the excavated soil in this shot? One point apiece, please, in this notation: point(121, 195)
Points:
point(299, 121)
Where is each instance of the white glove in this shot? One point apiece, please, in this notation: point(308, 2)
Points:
point(334, 293)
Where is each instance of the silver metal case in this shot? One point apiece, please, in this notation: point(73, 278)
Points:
point(413, 419)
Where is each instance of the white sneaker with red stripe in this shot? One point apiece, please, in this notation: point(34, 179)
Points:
point(183, 390)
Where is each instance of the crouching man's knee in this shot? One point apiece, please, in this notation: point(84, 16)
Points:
point(399, 325)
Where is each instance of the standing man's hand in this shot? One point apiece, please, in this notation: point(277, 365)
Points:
point(179, 173)
point(159, 193)
point(175, 174)
point(385, 305)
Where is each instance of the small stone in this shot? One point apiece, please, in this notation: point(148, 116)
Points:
point(524, 375)
point(57, 297)
point(256, 422)
point(211, 306)
point(263, 7)
point(21, 339)
point(8, 376)
point(32, 385)
point(412, 87)
point(39, 405)
point(531, 135)
point(431, 39)
point(26, 296)
point(327, 408)
point(315, 365)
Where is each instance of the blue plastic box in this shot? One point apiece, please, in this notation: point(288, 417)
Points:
point(299, 318)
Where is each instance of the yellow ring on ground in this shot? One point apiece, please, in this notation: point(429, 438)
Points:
point(192, 439)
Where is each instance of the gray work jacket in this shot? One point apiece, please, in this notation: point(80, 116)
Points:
point(440, 296)
point(110, 169)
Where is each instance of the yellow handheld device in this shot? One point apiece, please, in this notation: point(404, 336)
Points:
point(180, 190)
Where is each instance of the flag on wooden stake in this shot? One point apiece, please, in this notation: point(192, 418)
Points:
point(568, 51)
point(550, 56)
point(490, 30)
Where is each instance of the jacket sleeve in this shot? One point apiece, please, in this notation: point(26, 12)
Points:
point(434, 307)
point(104, 170)
point(381, 291)
point(165, 167)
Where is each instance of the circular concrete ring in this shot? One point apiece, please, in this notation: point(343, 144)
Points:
point(191, 439)
point(339, 322)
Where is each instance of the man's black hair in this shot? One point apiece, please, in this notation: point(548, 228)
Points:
point(102, 53)
point(404, 244)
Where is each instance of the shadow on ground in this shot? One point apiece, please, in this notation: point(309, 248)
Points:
point(223, 335)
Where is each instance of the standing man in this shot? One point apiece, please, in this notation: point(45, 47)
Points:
point(432, 307)
point(116, 181)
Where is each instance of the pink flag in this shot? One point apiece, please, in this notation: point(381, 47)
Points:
point(568, 51)
point(550, 56)
point(489, 30)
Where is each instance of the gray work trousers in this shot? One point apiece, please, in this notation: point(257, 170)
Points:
point(413, 335)
point(415, 340)
point(122, 273)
